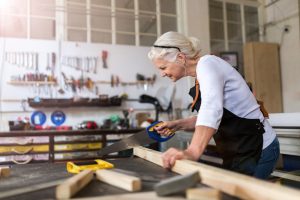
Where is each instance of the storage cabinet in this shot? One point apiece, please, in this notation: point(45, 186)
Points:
point(262, 70)
point(21, 147)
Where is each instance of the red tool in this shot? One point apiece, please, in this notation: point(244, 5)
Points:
point(104, 57)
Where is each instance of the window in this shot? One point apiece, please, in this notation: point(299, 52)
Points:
point(231, 25)
point(251, 22)
point(120, 21)
point(127, 22)
point(28, 19)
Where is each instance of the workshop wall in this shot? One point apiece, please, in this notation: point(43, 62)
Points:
point(123, 62)
point(282, 27)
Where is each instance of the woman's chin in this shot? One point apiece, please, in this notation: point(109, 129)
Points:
point(173, 79)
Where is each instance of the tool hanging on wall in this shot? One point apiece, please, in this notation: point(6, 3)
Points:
point(104, 58)
point(89, 84)
point(53, 63)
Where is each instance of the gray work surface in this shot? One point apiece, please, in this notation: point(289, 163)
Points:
point(30, 175)
point(34, 174)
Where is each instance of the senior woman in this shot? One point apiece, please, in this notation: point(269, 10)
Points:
point(227, 109)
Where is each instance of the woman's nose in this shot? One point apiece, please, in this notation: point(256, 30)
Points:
point(163, 74)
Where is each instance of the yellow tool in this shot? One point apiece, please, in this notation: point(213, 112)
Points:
point(76, 167)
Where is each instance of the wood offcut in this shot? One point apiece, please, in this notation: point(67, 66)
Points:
point(74, 184)
point(4, 171)
point(126, 182)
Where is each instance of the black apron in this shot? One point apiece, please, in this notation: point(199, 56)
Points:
point(238, 140)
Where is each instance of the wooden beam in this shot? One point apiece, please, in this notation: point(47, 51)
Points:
point(4, 171)
point(133, 196)
point(72, 185)
point(126, 182)
point(203, 194)
point(232, 183)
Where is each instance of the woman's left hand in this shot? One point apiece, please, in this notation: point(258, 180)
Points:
point(171, 155)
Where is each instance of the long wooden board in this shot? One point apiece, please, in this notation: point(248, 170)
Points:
point(232, 183)
point(133, 196)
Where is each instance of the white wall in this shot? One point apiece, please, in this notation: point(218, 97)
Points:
point(279, 15)
point(124, 61)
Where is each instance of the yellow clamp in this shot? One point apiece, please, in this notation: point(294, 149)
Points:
point(76, 167)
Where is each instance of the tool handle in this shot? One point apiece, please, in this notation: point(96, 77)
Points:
point(156, 136)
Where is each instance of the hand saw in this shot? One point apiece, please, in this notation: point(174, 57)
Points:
point(144, 137)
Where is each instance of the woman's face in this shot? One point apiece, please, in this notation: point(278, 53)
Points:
point(172, 70)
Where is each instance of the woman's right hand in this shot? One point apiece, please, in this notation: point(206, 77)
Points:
point(166, 128)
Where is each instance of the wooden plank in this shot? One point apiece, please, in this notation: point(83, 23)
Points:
point(285, 175)
point(4, 171)
point(72, 185)
point(133, 196)
point(203, 194)
point(262, 69)
point(124, 181)
point(229, 182)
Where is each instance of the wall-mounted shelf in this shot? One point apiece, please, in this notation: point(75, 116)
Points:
point(121, 83)
point(32, 82)
point(112, 101)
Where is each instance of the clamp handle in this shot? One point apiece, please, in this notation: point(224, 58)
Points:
point(154, 135)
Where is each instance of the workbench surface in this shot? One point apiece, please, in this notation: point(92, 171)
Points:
point(24, 176)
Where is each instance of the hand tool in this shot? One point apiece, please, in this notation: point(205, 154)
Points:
point(144, 137)
point(104, 57)
point(177, 184)
point(76, 167)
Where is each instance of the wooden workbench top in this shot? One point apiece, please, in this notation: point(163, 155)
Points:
point(23, 176)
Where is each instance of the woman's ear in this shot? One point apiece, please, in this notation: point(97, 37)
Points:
point(180, 58)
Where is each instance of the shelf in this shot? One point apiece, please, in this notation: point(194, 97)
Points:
point(120, 83)
point(96, 82)
point(84, 102)
point(32, 82)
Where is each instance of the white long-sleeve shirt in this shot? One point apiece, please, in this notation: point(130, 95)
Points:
point(221, 86)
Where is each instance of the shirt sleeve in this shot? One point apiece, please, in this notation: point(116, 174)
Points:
point(211, 81)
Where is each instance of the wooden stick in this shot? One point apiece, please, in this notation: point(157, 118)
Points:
point(72, 185)
point(126, 182)
point(4, 171)
point(232, 183)
point(133, 196)
point(203, 194)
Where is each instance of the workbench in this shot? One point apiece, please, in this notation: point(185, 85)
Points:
point(29, 176)
point(23, 176)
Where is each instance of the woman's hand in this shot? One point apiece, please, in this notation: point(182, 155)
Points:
point(166, 128)
point(171, 155)
point(200, 139)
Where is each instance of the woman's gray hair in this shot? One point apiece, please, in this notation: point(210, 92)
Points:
point(170, 43)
